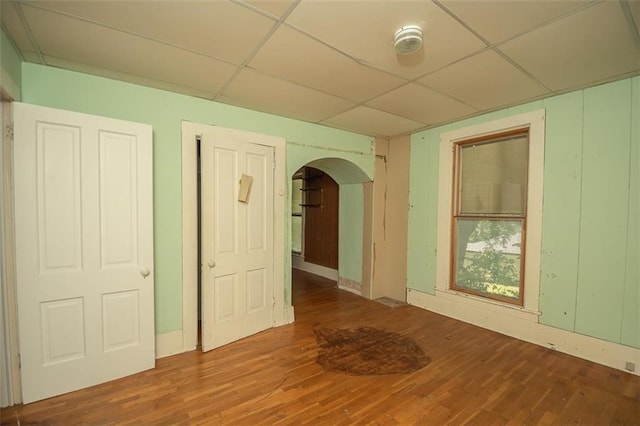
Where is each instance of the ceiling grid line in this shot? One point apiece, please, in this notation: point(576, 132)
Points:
point(492, 46)
point(634, 27)
point(131, 33)
point(12, 41)
point(27, 28)
point(333, 62)
point(257, 48)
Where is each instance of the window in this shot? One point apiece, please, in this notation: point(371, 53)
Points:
point(489, 221)
point(489, 215)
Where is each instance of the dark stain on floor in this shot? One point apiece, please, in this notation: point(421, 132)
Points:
point(368, 351)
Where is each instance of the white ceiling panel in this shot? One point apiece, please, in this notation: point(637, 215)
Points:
point(219, 29)
point(118, 51)
point(276, 8)
point(634, 7)
point(485, 81)
point(332, 61)
point(296, 57)
point(498, 21)
point(259, 92)
point(594, 44)
point(365, 30)
point(11, 21)
point(421, 104)
point(372, 122)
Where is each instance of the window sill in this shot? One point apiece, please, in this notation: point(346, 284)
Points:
point(485, 303)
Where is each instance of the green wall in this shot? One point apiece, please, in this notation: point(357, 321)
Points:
point(590, 262)
point(351, 221)
point(10, 67)
point(164, 111)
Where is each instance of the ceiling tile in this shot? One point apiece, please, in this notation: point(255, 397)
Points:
point(296, 57)
point(372, 122)
point(98, 46)
point(497, 21)
point(593, 45)
point(331, 57)
point(421, 104)
point(275, 8)
point(365, 31)
point(485, 81)
point(634, 7)
point(220, 29)
point(116, 75)
point(14, 27)
point(31, 57)
point(259, 92)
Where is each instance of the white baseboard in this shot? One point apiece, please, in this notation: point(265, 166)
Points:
point(172, 343)
point(519, 326)
point(352, 286)
point(299, 263)
point(168, 344)
point(288, 317)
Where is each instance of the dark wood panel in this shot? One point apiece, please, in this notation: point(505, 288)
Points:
point(475, 377)
point(321, 218)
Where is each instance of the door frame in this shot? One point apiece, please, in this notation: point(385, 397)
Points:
point(10, 308)
point(190, 131)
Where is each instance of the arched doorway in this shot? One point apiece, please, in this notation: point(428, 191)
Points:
point(354, 220)
point(315, 201)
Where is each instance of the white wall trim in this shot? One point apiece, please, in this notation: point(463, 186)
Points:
point(524, 326)
point(288, 317)
point(298, 262)
point(9, 289)
point(189, 236)
point(351, 286)
point(168, 344)
point(282, 314)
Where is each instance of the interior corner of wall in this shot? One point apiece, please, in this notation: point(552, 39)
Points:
point(10, 86)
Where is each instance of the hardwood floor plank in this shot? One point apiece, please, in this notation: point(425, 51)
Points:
point(474, 377)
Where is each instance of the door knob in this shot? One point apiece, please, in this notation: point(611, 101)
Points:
point(145, 272)
point(212, 263)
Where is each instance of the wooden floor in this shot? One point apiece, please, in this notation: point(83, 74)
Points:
point(475, 377)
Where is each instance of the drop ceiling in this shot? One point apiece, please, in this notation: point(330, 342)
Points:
point(333, 62)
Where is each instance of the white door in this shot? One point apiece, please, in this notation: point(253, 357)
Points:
point(237, 237)
point(84, 249)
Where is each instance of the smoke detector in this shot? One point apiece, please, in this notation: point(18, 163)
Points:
point(408, 40)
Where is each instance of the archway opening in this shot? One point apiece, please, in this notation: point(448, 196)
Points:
point(317, 210)
point(315, 201)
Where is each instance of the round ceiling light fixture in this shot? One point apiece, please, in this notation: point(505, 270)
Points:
point(408, 40)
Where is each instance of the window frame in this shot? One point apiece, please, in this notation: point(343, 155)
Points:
point(534, 121)
point(456, 213)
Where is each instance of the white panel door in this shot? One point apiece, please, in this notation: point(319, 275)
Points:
point(84, 249)
point(237, 238)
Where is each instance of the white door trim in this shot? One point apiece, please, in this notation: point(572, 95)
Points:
point(10, 308)
point(282, 314)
